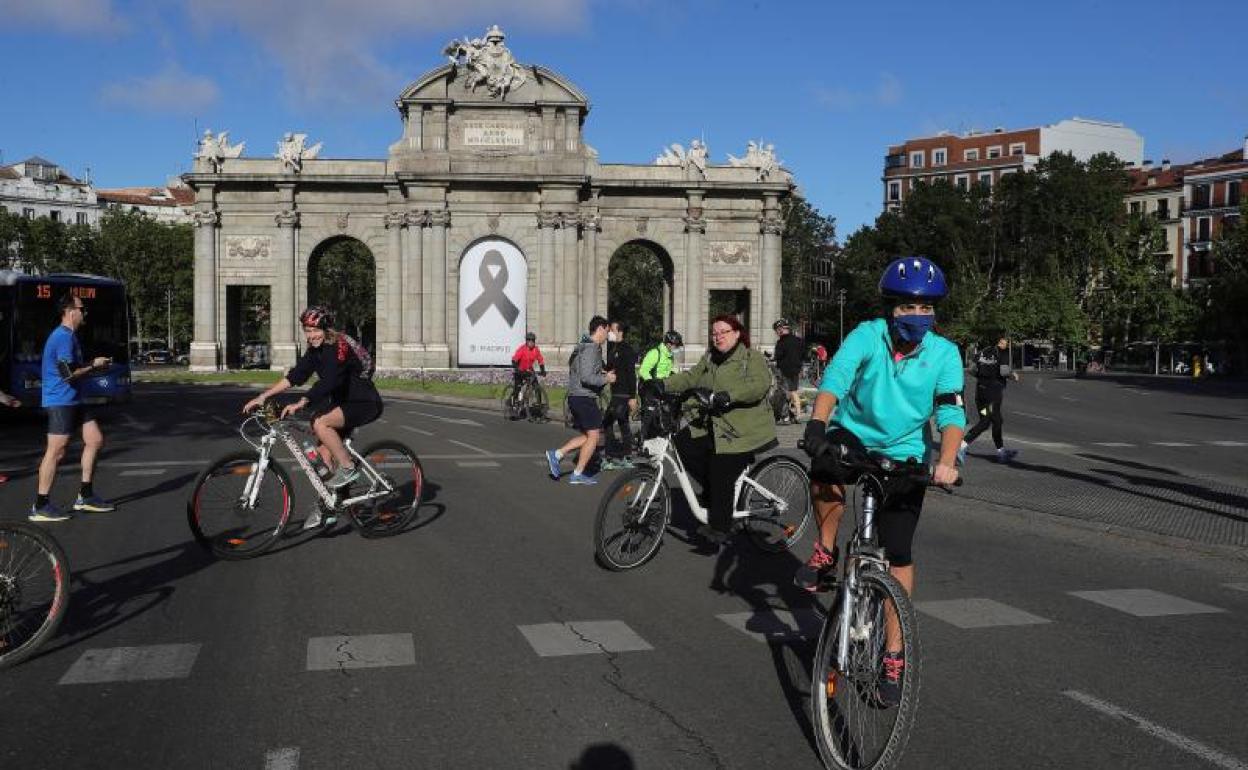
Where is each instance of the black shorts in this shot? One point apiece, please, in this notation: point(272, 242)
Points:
point(788, 382)
point(356, 414)
point(586, 415)
point(64, 420)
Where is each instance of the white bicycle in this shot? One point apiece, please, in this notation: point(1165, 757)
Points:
point(773, 496)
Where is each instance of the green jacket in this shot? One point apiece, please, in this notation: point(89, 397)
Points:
point(748, 425)
point(656, 364)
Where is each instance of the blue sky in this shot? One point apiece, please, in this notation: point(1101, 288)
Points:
point(120, 86)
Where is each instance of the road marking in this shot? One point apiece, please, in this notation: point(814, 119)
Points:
point(453, 420)
point(1113, 443)
point(469, 446)
point(478, 464)
point(1069, 398)
point(1237, 586)
point(331, 653)
point(583, 638)
point(488, 455)
point(417, 430)
point(1229, 443)
point(1172, 443)
point(776, 625)
point(383, 421)
point(1044, 444)
point(131, 664)
point(282, 759)
point(144, 472)
point(1034, 416)
point(978, 613)
point(1145, 603)
point(1194, 747)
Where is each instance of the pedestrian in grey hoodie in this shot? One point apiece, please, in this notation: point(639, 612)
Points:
point(586, 379)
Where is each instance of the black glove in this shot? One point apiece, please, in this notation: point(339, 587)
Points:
point(653, 388)
point(543, 371)
point(815, 438)
point(702, 394)
point(720, 401)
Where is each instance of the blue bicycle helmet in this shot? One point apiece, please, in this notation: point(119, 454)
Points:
point(913, 278)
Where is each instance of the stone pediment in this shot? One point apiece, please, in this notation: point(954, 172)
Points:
point(449, 83)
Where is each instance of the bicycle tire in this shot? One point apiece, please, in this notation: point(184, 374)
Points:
point(388, 516)
point(786, 478)
point(18, 575)
point(225, 539)
point(854, 691)
point(621, 542)
point(539, 405)
point(509, 403)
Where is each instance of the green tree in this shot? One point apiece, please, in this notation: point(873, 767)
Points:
point(1225, 296)
point(808, 234)
point(344, 278)
point(637, 291)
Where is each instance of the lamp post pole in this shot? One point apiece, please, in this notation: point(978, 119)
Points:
point(840, 299)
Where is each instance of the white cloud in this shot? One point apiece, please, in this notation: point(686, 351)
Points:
point(327, 49)
point(73, 16)
point(888, 92)
point(169, 91)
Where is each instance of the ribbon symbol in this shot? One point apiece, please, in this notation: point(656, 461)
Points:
point(492, 285)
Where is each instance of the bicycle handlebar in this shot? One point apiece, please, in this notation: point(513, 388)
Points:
point(876, 463)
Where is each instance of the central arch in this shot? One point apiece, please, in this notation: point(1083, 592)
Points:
point(342, 274)
point(641, 289)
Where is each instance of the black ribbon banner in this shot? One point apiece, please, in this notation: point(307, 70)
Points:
point(492, 291)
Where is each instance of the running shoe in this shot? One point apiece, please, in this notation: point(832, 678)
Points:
point(581, 479)
point(342, 477)
point(811, 574)
point(888, 689)
point(48, 512)
point(94, 504)
point(1006, 455)
point(553, 461)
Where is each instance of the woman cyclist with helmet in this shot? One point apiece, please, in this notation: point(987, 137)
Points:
point(889, 377)
point(344, 396)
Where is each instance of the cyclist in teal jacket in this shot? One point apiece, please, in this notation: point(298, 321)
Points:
point(889, 378)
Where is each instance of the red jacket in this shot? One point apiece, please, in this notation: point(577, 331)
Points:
point(525, 356)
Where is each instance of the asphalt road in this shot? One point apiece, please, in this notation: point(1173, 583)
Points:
point(1047, 642)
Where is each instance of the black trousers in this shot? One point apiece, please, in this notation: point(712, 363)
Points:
point(617, 414)
point(716, 472)
point(988, 404)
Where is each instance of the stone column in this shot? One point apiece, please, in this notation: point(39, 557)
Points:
point(436, 346)
point(695, 293)
point(571, 130)
point(591, 300)
point(572, 298)
point(284, 297)
point(390, 320)
point(205, 353)
point(772, 226)
point(547, 221)
point(412, 324)
point(548, 129)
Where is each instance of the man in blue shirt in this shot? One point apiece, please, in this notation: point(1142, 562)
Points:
point(63, 367)
point(889, 378)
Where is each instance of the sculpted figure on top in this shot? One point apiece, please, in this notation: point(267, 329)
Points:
point(292, 151)
point(486, 62)
point(216, 149)
point(760, 157)
point(675, 155)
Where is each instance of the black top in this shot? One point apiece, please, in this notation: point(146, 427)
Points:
point(790, 350)
point(622, 359)
point(988, 369)
point(339, 375)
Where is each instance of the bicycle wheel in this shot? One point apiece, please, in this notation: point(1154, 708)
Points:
point(220, 516)
point(853, 729)
point(537, 405)
point(34, 590)
point(632, 518)
point(390, 515)
point(769, 528)
point(509, 403)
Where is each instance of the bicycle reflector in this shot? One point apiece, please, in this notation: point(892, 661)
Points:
point(830, 687)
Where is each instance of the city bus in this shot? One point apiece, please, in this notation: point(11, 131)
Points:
point(28, 315)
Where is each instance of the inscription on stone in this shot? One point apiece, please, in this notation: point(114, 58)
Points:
point(247, 247)
point(731, 252)
point(493, 133)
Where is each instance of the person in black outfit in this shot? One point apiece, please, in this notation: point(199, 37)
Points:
point(790, 350)
point(621, 359)
point(992, 371)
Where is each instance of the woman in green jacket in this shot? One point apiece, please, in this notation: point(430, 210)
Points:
point(716, 450)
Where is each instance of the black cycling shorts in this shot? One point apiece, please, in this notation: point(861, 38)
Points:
point(64, 420)
point(356, 414)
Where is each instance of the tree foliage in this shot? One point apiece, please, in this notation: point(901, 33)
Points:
point(637, 292)
point(343, 276)
point(808, 234)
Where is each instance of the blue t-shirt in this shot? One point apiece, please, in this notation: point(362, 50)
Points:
point(887, 402)
point(62, 345)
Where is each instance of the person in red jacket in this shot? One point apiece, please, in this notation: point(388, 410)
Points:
point(526, 357)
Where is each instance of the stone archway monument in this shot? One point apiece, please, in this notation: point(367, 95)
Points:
point(491, 152)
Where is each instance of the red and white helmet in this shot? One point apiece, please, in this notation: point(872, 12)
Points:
point(318, 316)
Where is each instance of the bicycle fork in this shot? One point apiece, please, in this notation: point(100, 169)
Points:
point(852, 627)
point(252, 488)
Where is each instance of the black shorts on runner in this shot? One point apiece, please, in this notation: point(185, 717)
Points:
point(789, 382)
point(64, 420)
point(586, 415)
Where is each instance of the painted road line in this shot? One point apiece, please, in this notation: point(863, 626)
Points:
point(1069, 398)
point(1182, 742)
point(1032, 416)
point(282, 759)
point(1172, 443)
point(417, 430)
point(144, 472)
point(130, 664)
point(585, 637)
point(1044, 444)
point(452, 420)
point(1229, 443)
point(1145, 603)
point(978, 613)
point(776, 625)
point(1237, 586)
point(468, 446)
point(149, 463)
point(478, 464)
point(486, 456)
point(1113, 443)
point(333, 653)
point(383, 421)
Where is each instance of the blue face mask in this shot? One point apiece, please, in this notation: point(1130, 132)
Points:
point(911, 328)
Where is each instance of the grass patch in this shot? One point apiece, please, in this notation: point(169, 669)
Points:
point(249, 377)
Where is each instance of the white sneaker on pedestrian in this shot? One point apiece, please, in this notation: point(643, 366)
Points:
point(962, 453)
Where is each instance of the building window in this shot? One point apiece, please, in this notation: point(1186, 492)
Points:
point(894, 161)
point(1135, 207)
point(985, 179)
point(939, 157)
point(961, 181)
point(994, 151)
point(1018, 148)
point(81, 217)
point(28, 213)
point(1203, 225)
point(1163, 208)
point(894, 192)
point(916, 159)
point(970, 154)
point(1200, 196)
point(54, 215)
point(1232, 193)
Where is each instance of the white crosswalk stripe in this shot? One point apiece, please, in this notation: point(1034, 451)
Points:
point(333, 653)
point(129, 664)
point(978, 613)
point(1145, 603)
point(776, 625)
point(583, 637)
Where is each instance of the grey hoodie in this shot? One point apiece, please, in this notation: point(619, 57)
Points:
point(586, 377)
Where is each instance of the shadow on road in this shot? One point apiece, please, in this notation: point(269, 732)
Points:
point(1128, 463)
point(603, 756)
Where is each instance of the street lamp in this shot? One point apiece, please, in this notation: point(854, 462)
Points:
point(840, 299)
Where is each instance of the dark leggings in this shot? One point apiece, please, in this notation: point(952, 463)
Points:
point(716, 472)
point(617, 413)
point(989, 405)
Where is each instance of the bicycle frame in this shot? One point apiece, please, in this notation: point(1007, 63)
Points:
point(268, 442)
point(859, 555)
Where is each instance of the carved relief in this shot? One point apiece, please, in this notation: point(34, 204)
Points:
point(440, 218)
point(217, 149)
point(731, 252)
point(643, 224)
point(491, 222)
point(205, 218)
point(591, 221)
point(286, 218)
point(248, 247)
point(293, 150)
point(486, 62)
point(549, 219)
point(343, 219)
point(393, 219)
point(417, 218)
point(771, 224)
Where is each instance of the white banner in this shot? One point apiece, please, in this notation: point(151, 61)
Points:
point(493, 279)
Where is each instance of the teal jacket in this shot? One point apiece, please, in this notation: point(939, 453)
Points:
point(887, 403)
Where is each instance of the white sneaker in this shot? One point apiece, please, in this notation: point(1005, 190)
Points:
point(314, 519)
point(962, 454)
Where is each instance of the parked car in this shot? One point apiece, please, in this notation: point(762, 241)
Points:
point(254, 355)
point(158, 357)
point(182, 359)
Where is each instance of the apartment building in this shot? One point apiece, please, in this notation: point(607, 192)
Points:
point(982, 158)
point(37, 187)
point(171, 204)
point(1213, 189)
point(1158, 190)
